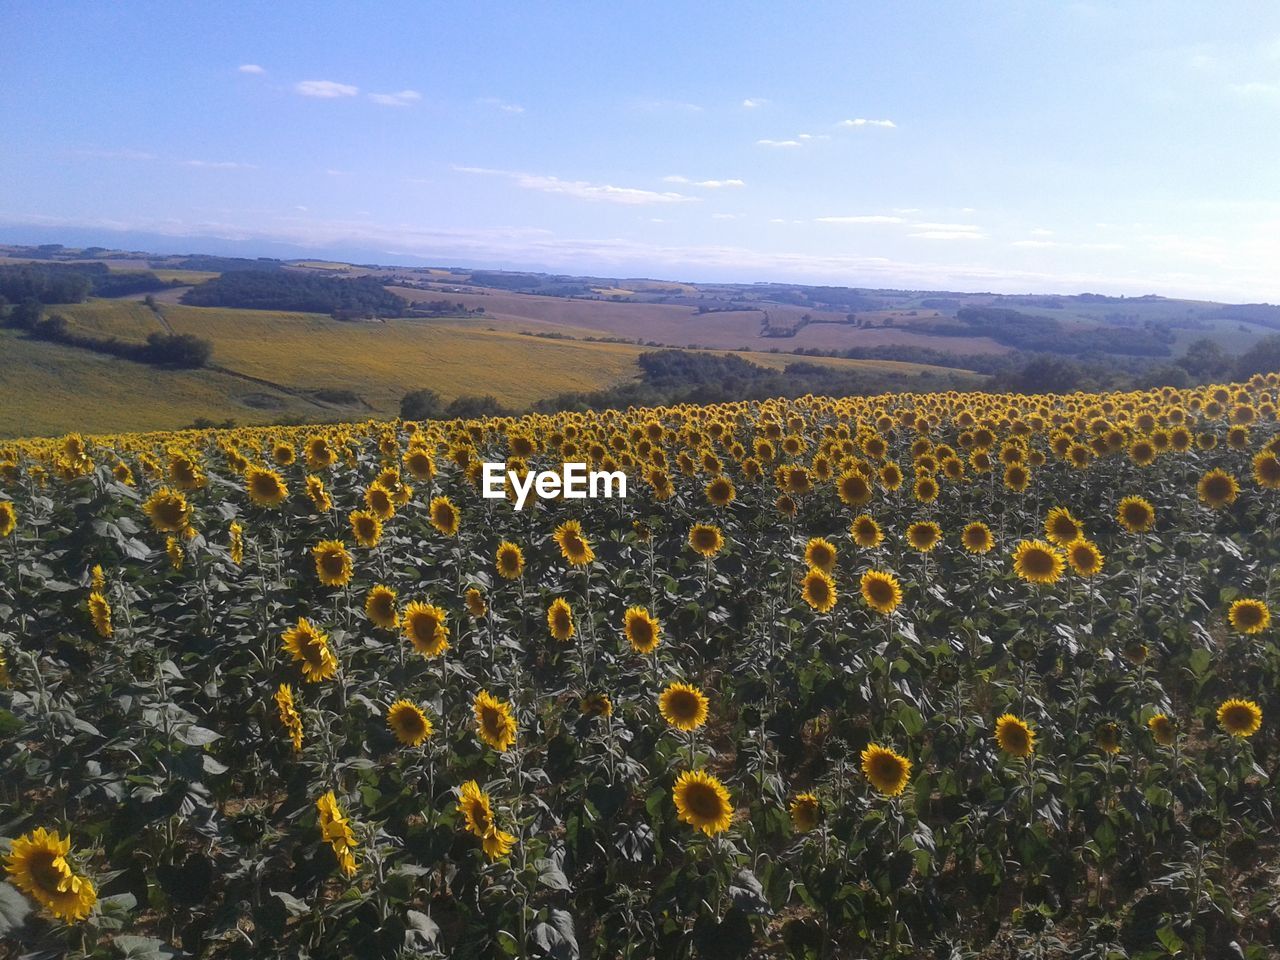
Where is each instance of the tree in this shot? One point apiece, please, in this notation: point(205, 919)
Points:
point(1205, 360)
point(1262, 357)
point(26, 314)
point(423, 404)
point(471, 408)
point(177, 350)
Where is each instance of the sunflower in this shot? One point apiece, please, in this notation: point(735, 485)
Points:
point(1014, 736)
point(333, 563)
point(509, 560)
point(410, 725)
point(37, 865)
point(365, 527)
point(8, 518)
point(497, 843)
point(819, 590)
point(924, 535)
point(720, 492)
point(1107, 736)
point(1142, 452)
point(1266, 470)
point(1017, 477)
point(265, 487)
point(1162, 729)
point(1249, 616)
point(887, 771)
point(821, 554)
point(445, 516)
point(476, 809)
point(854, 489)
point(174, 550)
point(426, 626)
point(1136, 514)
point(596, 705)
point(495, 723)
point(881, 591)
point(98, 579)
point(560, 620)
point(642, 629)
point(419, 462)
point(1037, 562)
point(168, 511)
point(1061, 527)
point(474, 599)
point(1217, 489)
point(318, 496)
point(100, 613)
point(976, 537)
point(1085, 557)
point(236, 545)
point(287, 712)
point(380, 606)
point(925, 489)
point(706, 539)
point(574, 546)
point(805, 811)
point(283, 454)
point(891, 476)
point(702, 802)
point(866, 532)
point(336, 831)
point(1240, 718)
point(310, 647)
point(683, 706)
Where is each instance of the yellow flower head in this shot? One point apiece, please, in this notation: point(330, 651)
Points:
point(881, 591)
point(1061, 527)
point(1136, 514)
point(426, 626)
point(560, 620)
point(509, 560)
point(100, 613)
point(1162, 729)
point(683, 706)
point(574, 546)
point(805, 811)
point(266, 488)
point(1217, 489)
point(365, 527)
point(1240, 718)
point(820, 553)
point(445, 516)
point(819, 590)
point(1249, 616)
point(705, 539)
point(1085, 557)
point(474, 599)
point(1014, 736)
point(38, 865)
point(168, 511)
point(410, 725)
point(866, 532)
point(642, 629)
point(924, 535)
point(702, 802)
point(495, 721)
point(1036, 561)
point(380, 607)
point(290, 719)
point(887, 771)
point(333, 563)
point(309, 646)
point(976, 537)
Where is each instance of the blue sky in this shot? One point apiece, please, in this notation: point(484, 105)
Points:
point(1124, 147)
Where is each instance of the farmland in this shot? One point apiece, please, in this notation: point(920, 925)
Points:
point(271, 365)
point(961, 675)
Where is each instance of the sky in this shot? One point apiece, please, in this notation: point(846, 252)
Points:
point(1123, 148)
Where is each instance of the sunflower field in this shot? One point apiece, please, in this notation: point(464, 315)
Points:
point(946, 675)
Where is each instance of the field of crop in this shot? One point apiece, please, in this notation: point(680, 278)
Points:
point(949, 675)
point(302, 353)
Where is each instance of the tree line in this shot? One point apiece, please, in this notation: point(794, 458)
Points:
point(175, 350)
point(297, 292)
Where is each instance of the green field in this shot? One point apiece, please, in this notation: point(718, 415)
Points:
point(274, 366)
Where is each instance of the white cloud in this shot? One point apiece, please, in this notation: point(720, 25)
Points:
point(665, 106)
point(251, 68)
point(866, 218)
point(1041, 232)
point(219, 164)
point(778, 143)
point(1034, 243)
point(811, 136)
point(951, 227)
point(1255, 88)
point(402, 99)
point(724, 216)
point(707, 184)
point(338, 173)
point(325, 89)
point(581, 189)
point(948, 235)
point(863, 122)
point(125, 154)
point(502, 105)
point(752, 102)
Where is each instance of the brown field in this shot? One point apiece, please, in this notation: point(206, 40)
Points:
point(682, 326)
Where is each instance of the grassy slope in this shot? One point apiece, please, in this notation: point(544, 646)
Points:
point(52, 389)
